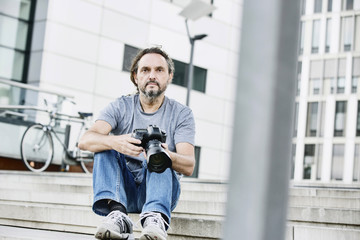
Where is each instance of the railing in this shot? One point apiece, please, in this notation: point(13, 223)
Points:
point(9, 109)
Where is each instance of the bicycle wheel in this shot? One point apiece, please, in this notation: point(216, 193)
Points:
point(36, 148)
point(87, 165)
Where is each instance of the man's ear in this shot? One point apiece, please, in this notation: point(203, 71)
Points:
point(171, 75)
point(135, 78)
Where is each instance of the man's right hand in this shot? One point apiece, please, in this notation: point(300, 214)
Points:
point(125, 144)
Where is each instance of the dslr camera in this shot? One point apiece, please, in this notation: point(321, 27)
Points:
point(151, 138)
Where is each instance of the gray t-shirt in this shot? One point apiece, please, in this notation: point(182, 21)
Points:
point(125, 114)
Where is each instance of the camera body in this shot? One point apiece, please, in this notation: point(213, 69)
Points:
point(151, 138)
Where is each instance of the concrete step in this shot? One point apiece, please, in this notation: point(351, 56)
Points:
point(325, 192)
point(82, 183)
point(80, 219)
point(62, 202)
point(321, 215)
point(18, 233)
point(325, 202)
point(85, 199)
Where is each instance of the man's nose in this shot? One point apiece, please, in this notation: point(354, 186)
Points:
point(152, 74)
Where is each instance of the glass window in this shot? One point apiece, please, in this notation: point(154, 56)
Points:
point(315, 36)
point(355, 74)
point(358, 120)
point(129, 53)
point(340, 82)
point(356, 168)
point(180, 73)
point(197, 162)
point(309, 160)
point(180, 76)
point(16, 8)
point(301, 42)
point(340, 87)
point(15, 23)
point(354, 84)
point(319, 161)
point(329, 6)
point(337, 165)
point(348, 4)
point(296, 116)
point(312, 119)
point(357, 32)
point(317, 6)
point(315, 86)
point(340, 118)
point(328, 35)
point(303, 7)
point(298, 81)
point(347, 33)
point(292, 163)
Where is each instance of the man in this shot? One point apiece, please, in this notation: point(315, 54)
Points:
point(121, 180)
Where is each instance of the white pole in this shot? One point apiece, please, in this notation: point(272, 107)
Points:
point(261, 152)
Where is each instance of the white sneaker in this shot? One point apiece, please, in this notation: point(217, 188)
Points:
point(116, 225)
point(154, 226)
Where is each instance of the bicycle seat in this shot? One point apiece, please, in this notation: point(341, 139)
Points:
point(85, 114)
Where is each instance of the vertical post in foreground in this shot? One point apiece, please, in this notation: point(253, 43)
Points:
point(258, 188)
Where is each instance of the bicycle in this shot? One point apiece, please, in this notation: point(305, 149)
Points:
point(37, 145)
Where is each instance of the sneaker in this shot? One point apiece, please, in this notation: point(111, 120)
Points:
point(116, 225)
point(154, 227)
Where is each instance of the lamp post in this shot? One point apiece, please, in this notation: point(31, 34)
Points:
point(194, 10)
point(191, 67)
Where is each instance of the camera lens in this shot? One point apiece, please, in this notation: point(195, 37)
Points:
point(158, 159)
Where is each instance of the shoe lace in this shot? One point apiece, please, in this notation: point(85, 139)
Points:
point(122, 220)
point(153, 218)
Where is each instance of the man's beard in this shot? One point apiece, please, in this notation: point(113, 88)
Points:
point(151, 95)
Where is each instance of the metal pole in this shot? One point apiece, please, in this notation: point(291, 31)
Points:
point(190, 73)
point(259, 172)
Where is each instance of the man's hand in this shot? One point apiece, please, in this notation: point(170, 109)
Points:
point(126, 144)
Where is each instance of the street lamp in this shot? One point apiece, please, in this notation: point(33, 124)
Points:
point(191, 66)
point(194, 10)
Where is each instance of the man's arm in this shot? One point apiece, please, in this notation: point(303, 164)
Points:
point(97, 139)
point(183, 160)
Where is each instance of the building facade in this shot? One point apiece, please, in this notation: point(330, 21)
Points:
point(326, 140)
point(82, 48)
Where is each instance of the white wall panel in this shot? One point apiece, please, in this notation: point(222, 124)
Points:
point(68, 73)
point(124, 28)
point(219, 57)
point(223, 11)
point(176, 45)
point(113, 84)
point(218, 33)
point(166, 15)
point(235, 35)
point(111, 53)
point(210, 161)
point(78, 13)
point(208, 134)
point(135, 8)
point(71, 42)
point(216, 84)
point(229, 113)
point(206, 107)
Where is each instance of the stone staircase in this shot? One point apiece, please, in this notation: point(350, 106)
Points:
point(58, 206)
point(60, 203)
point(324, 212)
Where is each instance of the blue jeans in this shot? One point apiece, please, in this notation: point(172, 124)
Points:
point(158, 192)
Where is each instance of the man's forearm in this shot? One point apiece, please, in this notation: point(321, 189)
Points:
point(95, 142)
point(183, 163)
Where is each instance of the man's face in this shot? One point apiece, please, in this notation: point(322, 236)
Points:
point(152, 76)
